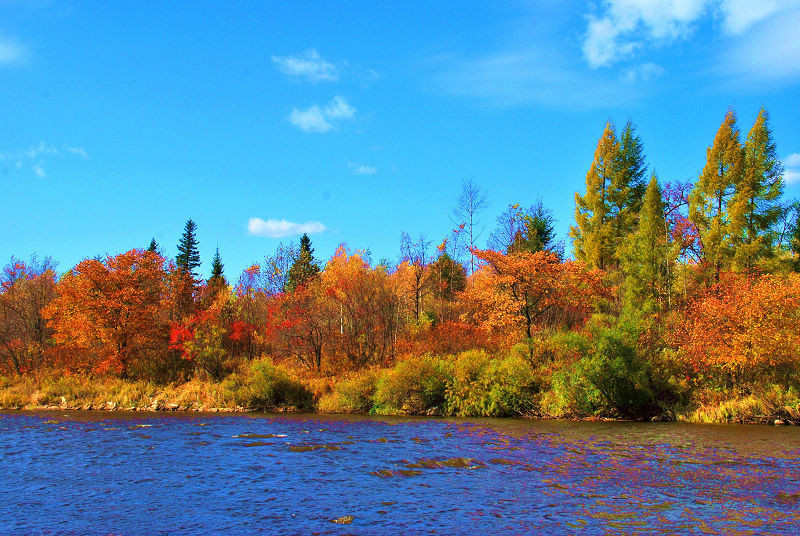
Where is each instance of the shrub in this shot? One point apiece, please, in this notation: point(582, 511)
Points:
point(267, 386)
point(415, 385)
point(351, 395)
point(482, 386)
point(619, 374)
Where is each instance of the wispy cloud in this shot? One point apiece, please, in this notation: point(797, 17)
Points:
point(11, 52)
point(309, 65)
point(791, 172)
point(273, 228)
point(769, 52)
point(538, 75)
point(35, 156)
point(322, 119)
point(646, 72)
point(362, 169)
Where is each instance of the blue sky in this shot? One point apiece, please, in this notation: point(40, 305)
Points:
point(356, 121)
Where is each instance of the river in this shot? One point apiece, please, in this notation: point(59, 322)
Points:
point(76, 473)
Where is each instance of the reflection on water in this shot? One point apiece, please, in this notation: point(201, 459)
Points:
point(93, 473)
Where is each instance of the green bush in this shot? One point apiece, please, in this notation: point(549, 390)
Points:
point(619, 374)
point(414, 386)
point(351, 395)
point(483, 386)
point(266, 386)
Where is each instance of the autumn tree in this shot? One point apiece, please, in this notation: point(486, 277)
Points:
point(743, 329)
point(368, 309)
point(414, 261)
point(205, 338)
point(519, 289)
point(712, 198)
point(304, 267)
point(304, 323)
point(472, 201)
point(649, 257)
point(25, 290)
point(592, 234)
point(111, 310)
point(755, 207)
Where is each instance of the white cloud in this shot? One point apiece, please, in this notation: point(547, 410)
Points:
point(740, 15)
point(308, 65)
point(11, 52)
point(316, 119)
point(626, 26)
point(280, 228)
point(362, 169)
point(646, 72)
point(793, 160)
point(339, 108)
point(310, 119)
point(792, 172)
point(39, 171)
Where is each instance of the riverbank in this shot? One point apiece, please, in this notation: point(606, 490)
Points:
point(416, 386)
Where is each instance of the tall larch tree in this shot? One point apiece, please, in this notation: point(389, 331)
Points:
point(304, 267)
point(648, 256)
point(756, 207)
point(592, 234)
point(188, 257)
point(628, 186)
point(712, 197)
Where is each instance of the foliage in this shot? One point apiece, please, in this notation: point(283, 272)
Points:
point(489, 387)
point(110, 311)
point(188, 258)
point(415, 385)
point(304, 268)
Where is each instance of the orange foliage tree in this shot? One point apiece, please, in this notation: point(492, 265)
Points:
point(367, 306)
point(25, 289)
point(110, 310)
point(520, 289)
point(743, 325)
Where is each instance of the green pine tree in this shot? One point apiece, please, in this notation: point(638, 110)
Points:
point(304, 267)
point(188, 258)
point(153, 247)
point(536, 230)
point(756, 207)
point(648, 257)
point(217, 277)
point(712, 197)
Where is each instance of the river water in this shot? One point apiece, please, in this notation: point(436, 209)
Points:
point(100, 473)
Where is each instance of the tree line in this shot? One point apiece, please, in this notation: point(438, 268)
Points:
point(688, 284)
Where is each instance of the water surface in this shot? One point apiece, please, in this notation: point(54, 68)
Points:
point(100, 473)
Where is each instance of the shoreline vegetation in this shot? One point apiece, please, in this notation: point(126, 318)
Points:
point(681, 302)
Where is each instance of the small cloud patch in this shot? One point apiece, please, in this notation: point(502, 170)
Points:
point(322, 119)
point(792, 172)
point(273, 228)
point(308, 65)
point(362, 169)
